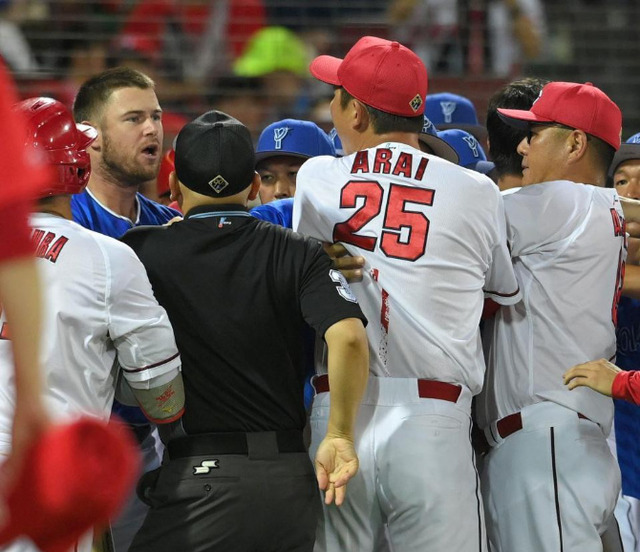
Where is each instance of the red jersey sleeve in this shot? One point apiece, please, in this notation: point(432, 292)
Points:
point(626, 386)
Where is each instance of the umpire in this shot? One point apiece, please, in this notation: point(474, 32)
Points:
point(238, 292)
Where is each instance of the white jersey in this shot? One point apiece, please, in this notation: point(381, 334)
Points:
point(568, 245)
point(434, 239)
point(100, 314)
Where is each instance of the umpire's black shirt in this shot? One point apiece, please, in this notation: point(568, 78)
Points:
point(237, 292)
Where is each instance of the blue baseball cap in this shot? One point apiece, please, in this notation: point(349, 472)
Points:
point(293, 137)
point(337, 143)
point(629, 151)
point(447, 110)
point(429, 136)
point(470, 152)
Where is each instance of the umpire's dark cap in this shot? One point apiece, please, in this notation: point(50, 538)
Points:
point(215, 155)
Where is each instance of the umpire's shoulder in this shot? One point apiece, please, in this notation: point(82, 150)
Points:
point(138, 236)
point(287, 239)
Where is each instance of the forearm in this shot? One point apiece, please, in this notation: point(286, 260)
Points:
point(348, 363)
point(626, 386)
point(631, 286)
point(20, 295)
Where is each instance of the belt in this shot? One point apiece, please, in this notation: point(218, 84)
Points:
point(427, 389)
point(513, 422)
point(205, 444)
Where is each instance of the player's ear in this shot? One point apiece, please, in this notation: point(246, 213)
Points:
point(255, 186)
point(361, 118)
point(96, 145)
point(174, 187)
point(577, 143)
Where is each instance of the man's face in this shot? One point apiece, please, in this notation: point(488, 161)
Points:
point(131, 136)
point(278, 176)
point(542, 154)
point(626, 179)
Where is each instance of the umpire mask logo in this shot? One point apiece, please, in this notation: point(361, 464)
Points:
point(205, 467)
point(278, 136)
point(218, 184)
point(447, 110)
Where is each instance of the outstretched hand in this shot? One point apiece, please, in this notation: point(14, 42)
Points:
point(597, 374)
point(336, 462)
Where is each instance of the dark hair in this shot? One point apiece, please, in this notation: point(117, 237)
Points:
point(504, 139)
point(383, 122)
point(602, 152)
point(95, 91)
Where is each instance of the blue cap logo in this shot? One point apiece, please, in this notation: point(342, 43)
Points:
point(447, 110)
point(278, 135)
point(473, 145)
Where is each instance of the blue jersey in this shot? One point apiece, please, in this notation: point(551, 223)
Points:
point(90, 213)
point(87, 211)
point(627, 415)
point(278, 212)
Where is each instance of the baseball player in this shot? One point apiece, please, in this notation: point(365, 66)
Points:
point(550, 481)
point(422, 291)
point(121, 104)
point(282, 148)
point(624, 177)
point(503, 139)
point(102, 325)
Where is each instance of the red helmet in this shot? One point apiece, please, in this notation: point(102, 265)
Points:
point(51, 128)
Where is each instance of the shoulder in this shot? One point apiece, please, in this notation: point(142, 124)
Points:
point(138, 236)
point(318, 166)
point(160, 212)
point(277, 212)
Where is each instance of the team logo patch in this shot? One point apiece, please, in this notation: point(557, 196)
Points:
point(416, 103)
point(278, 136)
point(473, 145)
point(218, 184)
point(205, 467)
point(342, 286)
point(447, 110)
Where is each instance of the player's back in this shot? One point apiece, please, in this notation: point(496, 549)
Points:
point(433, 238)
point(568, 245)
point(81, 272)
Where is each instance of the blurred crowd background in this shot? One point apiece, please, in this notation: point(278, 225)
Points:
point(249, 58)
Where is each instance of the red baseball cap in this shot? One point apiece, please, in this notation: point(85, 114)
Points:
point(75, 477)
point(580, 106)
point(383, 74)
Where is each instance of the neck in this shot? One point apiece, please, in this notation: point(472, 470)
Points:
point(508, 181)
point(56, 205)
point(370, 140)
point(119, 199)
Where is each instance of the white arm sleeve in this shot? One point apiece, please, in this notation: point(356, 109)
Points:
point(138, 326)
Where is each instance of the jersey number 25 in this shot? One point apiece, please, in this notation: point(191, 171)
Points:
point(396, 217)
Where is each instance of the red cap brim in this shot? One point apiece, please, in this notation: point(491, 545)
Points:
point(325, 68)
point(520, 118)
